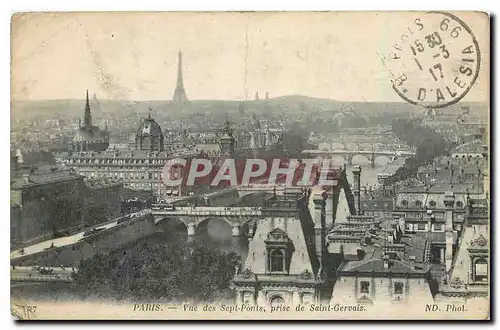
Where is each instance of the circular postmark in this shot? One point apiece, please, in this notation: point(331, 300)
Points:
point(435, 62)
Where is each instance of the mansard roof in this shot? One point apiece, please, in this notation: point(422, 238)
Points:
point(373, 266)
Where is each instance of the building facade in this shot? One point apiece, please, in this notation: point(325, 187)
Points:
point(284, 266)
point(470, 275)
point(142, 168)
point(102, 201)
point(382, 281)
point(51, 202)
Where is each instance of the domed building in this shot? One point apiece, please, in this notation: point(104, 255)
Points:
point(89, 137)
point(149, 135)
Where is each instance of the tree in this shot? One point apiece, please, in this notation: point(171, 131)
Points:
point(174, 271)
point(428, 143)
point(93, 276)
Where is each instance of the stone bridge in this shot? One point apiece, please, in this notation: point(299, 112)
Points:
point(193, 217)
point(371, 155)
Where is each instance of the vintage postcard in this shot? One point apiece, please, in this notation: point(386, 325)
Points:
point(250, 165)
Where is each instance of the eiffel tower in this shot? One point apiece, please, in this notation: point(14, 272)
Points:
point(180, 94)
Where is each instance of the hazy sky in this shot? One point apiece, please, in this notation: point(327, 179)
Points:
point(226, 55)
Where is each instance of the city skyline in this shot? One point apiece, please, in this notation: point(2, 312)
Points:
point(134, 57)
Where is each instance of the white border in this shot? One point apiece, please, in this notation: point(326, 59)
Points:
point(216, 5)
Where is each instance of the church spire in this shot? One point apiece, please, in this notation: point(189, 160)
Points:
point(87, 119)
point(180, 93)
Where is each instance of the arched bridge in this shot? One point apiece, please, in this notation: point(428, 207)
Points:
point(370, 154)
point(192, 217)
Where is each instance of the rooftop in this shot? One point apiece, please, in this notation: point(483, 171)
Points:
point(101, 183)
point(112, 153)
point(473, 147)
point(44, 175)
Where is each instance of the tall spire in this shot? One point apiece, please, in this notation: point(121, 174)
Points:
point(87, 119)
point(180, 93)
point(180, 83)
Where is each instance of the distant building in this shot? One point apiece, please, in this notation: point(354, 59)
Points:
point(142, 168)
point(227, 140)
point(149, 136)
point(263, 136)
point(89, 137)
point(136, 169)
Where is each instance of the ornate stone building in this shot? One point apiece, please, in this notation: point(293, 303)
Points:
point(382, 280)
point(149, 135)
point(142, 168)
point(470, 273)
point(284, 262)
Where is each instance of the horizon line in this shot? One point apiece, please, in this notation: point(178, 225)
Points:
point(218, 100)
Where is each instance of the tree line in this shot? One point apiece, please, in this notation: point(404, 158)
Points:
point(174, 272)
point(428, 144)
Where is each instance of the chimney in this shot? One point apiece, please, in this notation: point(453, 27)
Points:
point(402, 224)
point(386, 262)
point(356, 171)
point(319, 225)
point(19, 156)
point(412, 261)
point(449, 202)
point(431, 218)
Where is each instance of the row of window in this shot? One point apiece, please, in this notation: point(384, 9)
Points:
point(145, 186)
point(438, 216)
point(398, 287)
point(431, 204)
point(124, 175)
point(422, 226)
point(116, 161)
point(378, 213)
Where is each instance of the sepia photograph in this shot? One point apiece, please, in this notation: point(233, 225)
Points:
point(250, 165)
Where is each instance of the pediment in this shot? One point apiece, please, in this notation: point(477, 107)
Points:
point(277, 235)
